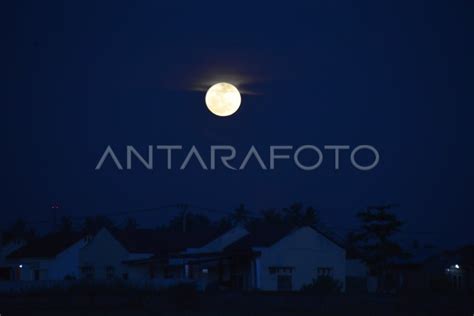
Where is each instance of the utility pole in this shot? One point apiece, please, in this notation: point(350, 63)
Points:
point(184, 210)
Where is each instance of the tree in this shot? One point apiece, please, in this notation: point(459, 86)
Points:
point(194, 222)
point(240, 216)
point(130, 224)
point(18, 231)
point(310, 217)
point(297, 216)
point(272, 216)
point(373, 242)
point(65, 226)
point(93, 224)
point(224, 223)
point(293, 217)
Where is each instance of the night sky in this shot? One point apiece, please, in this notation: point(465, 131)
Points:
point(81, 76)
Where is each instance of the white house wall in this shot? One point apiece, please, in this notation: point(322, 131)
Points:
point(305, 250)
point(29, 265)
point(102, 251)
point(66, 263)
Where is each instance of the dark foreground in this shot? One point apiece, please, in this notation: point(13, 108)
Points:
point(184, 302)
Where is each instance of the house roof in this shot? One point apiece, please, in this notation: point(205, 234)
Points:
point(265, 235)
point(162, 242)
point(261, 235)
point(48, 246)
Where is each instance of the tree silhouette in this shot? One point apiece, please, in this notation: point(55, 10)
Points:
point(294, 216)
point(310, 217)
point(240, 216)
point(93, 224)
point(373, 242)
point(130, 224)
point(194, 222)
point(272, 216)
point(224, 223)
point(65, 225)
point(297, 216)
point(17, 232)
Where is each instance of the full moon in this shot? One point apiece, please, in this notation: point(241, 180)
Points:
point(223, 99)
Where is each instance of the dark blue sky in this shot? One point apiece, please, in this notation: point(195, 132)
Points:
point(81, 76)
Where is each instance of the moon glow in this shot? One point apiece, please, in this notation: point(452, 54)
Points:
point(223, 99)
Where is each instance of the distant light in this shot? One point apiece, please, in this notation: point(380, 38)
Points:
point(205, 270)
point(456, 266)
point(20, 266)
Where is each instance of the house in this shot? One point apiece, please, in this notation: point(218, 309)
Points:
point(267, 257)
point(9, 271)
point(426, 268)
point(52, 257)
point(358, 278)
point(453, 269)
point(138, 254)
point(263, 257)
point(401, 274)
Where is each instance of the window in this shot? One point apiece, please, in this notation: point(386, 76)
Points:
point(284, 283)
point(324, 271)
point(87, 272)
point(109, 272)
